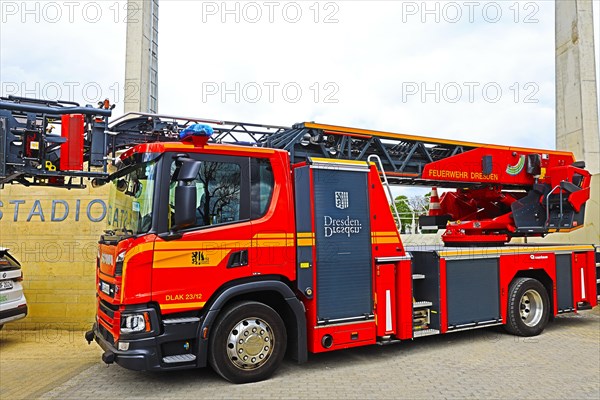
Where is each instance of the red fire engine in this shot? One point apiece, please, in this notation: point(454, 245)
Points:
point(234, 255)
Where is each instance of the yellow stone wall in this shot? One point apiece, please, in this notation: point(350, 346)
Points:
point(57, 249)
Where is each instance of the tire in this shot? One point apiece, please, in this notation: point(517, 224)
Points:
point(247, 343)
point(528, 307)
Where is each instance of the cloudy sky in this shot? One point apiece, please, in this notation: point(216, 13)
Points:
point(479, 71)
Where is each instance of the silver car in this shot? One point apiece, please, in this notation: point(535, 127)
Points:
point(13, 305)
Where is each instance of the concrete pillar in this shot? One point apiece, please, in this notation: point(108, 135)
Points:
point(577, 104)
point(141, 59)
point(576, 95)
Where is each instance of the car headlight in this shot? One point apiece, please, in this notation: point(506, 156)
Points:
point(132, 323)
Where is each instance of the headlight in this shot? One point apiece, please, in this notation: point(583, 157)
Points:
point(132, 323)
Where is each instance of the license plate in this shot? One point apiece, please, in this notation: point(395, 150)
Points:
point(3, 298)
point(105, 287)
point(5, 285)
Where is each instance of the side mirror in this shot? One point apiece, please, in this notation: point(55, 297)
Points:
point(187, 169)
point(185, 193)
point(185, 206)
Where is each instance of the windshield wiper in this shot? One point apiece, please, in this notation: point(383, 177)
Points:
point(115, 236)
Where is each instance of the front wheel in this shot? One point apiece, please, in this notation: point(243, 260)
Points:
point(248, 342)
point(528, 307)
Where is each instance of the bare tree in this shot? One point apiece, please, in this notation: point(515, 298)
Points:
point(221, 187)
point(419, 205)
point(410, 209)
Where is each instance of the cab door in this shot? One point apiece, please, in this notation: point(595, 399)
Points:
point(272, 215)
point(189, 269)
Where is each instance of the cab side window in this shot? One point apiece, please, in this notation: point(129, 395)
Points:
point(261, 186)
point(218, 193)
point(218, 189)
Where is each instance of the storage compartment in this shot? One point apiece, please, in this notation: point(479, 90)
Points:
point(343, 264)
point(426, 293)
point(564, 283)
point(473, 294)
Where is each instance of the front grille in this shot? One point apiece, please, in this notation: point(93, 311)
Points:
point(106, 334)
point(106, 308)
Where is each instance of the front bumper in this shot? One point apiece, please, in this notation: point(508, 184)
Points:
point(142, 354)
point(148, 354)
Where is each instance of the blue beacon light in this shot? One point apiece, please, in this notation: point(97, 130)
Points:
point(198, 134)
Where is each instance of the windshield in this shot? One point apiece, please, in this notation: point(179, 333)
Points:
point(131, 199)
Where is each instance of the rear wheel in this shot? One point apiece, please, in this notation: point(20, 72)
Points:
point(248, 342)
point(528, 307)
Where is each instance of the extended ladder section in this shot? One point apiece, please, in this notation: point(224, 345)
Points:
point(501, 191)
point(47, 142)
point(60, 143)
point(403, 156)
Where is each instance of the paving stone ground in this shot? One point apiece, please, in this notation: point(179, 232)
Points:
point(562, 363)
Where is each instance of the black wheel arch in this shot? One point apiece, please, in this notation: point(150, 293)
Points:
point(541, 276)
point(274, 293)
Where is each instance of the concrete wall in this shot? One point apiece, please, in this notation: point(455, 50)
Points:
point(576, 97)
point(141, 59)
point(54, 233)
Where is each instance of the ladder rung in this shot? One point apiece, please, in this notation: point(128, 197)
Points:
point(426, 332)
point(419, 304)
